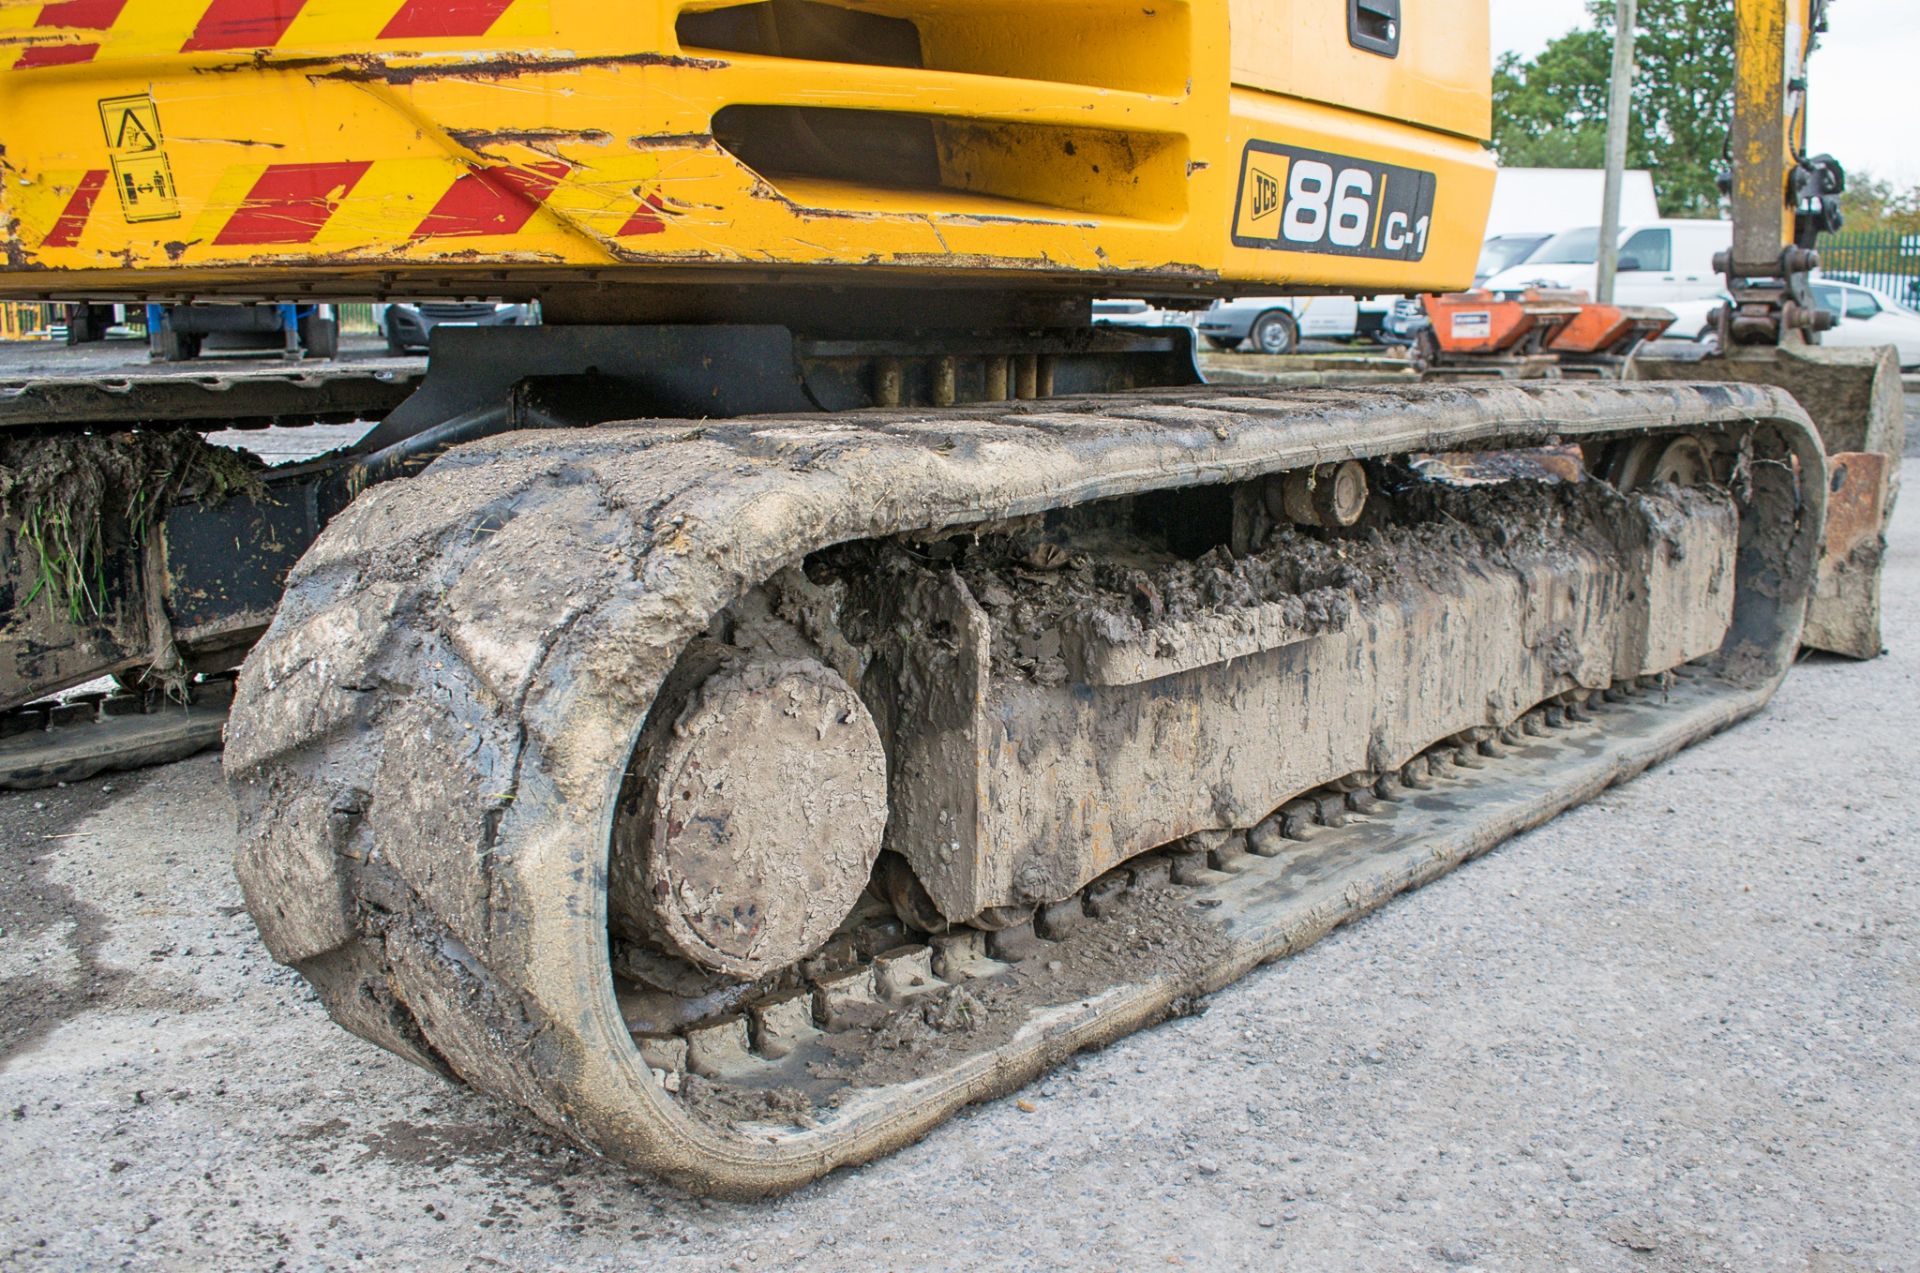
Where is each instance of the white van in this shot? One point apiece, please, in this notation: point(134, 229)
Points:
point(1661, 262)
point(1556, 199)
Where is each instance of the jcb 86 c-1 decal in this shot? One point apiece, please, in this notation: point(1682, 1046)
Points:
point(1294, 200)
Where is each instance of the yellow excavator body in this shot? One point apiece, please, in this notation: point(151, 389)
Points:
point(323, 148)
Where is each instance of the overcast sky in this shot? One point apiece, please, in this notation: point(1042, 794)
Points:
point(1863, 77)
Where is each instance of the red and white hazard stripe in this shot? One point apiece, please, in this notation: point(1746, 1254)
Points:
point(290, 203)
point(71, 15)
point(494, 200)
point(225, 25)
point(73, 219)
point(242, 24)
point(426, 19)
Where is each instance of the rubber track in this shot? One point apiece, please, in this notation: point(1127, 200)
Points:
point(427, 745)
point(51, 744)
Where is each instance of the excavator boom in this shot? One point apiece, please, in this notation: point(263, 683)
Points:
point(1782, 199)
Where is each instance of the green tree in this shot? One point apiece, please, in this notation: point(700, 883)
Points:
point(1875, 205)
point(1551, 111)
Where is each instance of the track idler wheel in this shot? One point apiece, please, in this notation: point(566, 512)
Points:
point(752, 817)
point(1634, 465)
point(1332, 496)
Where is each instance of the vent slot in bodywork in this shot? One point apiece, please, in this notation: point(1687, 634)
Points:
point(1098, 43)
point(1060, 167)
point(803, 29)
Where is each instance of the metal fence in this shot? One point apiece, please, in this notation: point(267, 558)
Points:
point(21, 321)
point(1887, 261)
point(49, 322)
point(29, 322)
point(356, 320)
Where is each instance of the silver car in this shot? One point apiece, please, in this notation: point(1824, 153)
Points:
point(1277, 324)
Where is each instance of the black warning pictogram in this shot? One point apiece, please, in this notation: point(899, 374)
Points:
point(136, 148)
point(133, 135)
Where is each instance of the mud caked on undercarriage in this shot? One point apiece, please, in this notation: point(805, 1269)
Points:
point(874, 764)
point(821, 678)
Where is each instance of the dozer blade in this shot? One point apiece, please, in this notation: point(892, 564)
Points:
point(1855, 400)
point(743, 798)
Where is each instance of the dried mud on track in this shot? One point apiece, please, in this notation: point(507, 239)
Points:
point(1676, 1029)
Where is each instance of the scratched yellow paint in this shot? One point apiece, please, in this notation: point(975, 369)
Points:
point(393, 192)
point(147, 30)
point(1772, 41)
point(38, 204)
point(16, 17)
point(1098, 143)
point(326, 23)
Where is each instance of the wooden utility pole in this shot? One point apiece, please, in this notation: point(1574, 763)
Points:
point(1619, 120)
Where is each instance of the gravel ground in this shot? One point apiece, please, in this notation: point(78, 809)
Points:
point(1677, 1029)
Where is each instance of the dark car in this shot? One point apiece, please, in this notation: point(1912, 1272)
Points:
point(410, 325)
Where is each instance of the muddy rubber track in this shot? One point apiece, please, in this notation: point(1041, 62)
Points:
point(52, 744)
point(428, 745)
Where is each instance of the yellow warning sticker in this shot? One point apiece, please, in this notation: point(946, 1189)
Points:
point(137, 149)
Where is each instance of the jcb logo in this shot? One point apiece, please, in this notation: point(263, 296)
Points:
point(1297, 200)
point(1265, 195)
